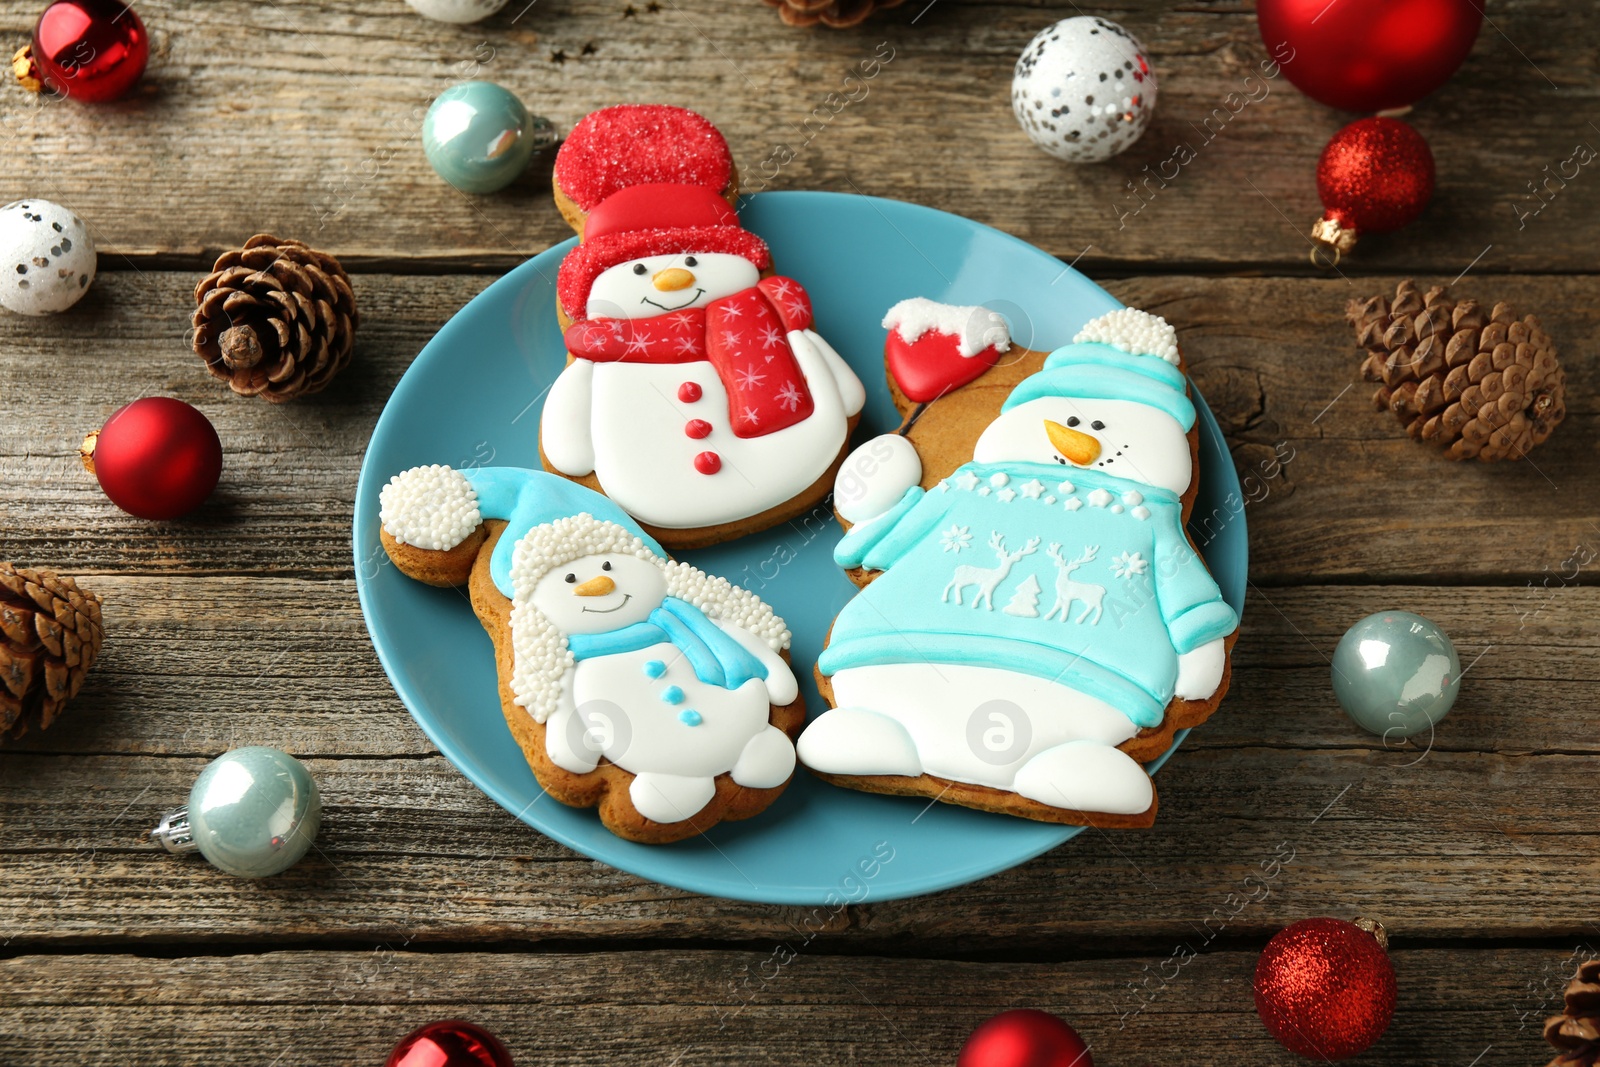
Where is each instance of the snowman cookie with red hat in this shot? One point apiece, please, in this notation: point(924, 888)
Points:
point(698, 394)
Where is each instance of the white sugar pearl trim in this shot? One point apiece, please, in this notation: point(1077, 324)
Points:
point(1136, 332)
point(432, 507)
point(540, 655)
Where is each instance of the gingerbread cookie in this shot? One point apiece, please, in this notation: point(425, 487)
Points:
point(698, 395)
point(1033, 621)
point(634, 683)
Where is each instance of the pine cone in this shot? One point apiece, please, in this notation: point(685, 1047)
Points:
point(50, 634)
point(1478, 384)
point(276, 319)
point(1576, 1032)
point(839, 14)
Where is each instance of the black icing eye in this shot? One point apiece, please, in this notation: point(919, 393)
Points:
point(690, 261)
point(606, 565)
point(1073, 421)
point(640, 268)
point(1097, 425)
point(571, 578)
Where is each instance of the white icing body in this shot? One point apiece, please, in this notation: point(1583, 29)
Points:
point(624, 422)
point(1138, 442)
point(875, 476)
point(983, 726)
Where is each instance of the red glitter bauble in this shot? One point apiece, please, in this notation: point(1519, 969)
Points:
point(1325, 988)
point(157, 458)
point(1024, 1038)
point(86, 49)
point(1375, 175)
point(1369, 55)
point(451, 1043)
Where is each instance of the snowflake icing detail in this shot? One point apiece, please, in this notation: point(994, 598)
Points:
point(789, 397)
point(733, 311)
point(781, 288)
point(683, 320)
point(1129, 564)
point(687, 346)
point(639, 342)
point(752, 416)
point(771, 337)
point(731, 338)
point(956, 538)
point(749, 379)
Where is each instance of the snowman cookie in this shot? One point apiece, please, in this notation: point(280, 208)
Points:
point(1033, 622)
point(633, 683)
point(698, 394)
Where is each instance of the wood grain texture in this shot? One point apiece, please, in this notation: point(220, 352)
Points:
point(785, 1004)
point(328, 99)
point(1487, 831)
point(1274, 358)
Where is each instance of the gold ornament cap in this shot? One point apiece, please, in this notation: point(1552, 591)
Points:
point(1332, 240)
point(86, 450)
point(1375, 928)
point(26, 70)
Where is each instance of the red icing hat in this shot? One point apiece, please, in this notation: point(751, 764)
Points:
point(650, 178)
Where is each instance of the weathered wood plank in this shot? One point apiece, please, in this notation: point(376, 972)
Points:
point(194, 666)
point(305, 118)
point(790, 1006)
point(1455, 845)
point(1274, 358)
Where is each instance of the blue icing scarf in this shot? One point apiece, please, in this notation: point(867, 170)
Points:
point(716, 657)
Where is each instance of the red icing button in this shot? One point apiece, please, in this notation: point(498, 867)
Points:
point(708, 463)
point(697, 428)
point(689, 392)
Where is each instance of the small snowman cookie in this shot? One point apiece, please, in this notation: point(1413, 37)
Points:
point(1034, 623)
point(635, 684)
point(698, 394)
point(47, 258)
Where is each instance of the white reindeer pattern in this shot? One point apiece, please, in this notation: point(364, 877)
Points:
point(1068, 589)
point(986, 578)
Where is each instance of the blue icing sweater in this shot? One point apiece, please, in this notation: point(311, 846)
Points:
point(1120, 592)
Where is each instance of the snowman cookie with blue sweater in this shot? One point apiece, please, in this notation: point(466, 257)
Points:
point(1033, 623)
point(634, 683)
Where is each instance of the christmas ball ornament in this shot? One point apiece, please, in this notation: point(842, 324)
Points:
point(1395, 673)
point(834, 14)
point(91, 50)
point(275, 319)
point(1369, 55)
point(50, 635)
point(1024, 1037)
point(1325, 987)
point(458, 11)
point(157, 458)
point(1376, 175)
point(479, 137)
point(47, 258)
point(1083, 89)
point(1479, 383)
point(451, 1043)
point(253, 812)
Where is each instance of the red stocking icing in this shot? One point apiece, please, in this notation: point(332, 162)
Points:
point(933, 348)
point(638, 144)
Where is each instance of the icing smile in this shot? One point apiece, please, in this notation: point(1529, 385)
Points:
point(698, 293)
point(607, 611)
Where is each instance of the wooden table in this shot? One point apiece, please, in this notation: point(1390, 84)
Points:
point(240, 626)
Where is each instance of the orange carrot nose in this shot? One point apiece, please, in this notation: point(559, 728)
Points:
point(672, 279)
point(1080, 449)
point(599, 585)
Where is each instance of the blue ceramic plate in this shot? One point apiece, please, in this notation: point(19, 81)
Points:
point(472, 398)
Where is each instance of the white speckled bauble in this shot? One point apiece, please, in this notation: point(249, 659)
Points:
point(47, 257)
point(457, 10)
point(1083, 89)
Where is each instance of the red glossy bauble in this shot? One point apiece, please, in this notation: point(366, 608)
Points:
point(1024, 1038)
point(157, 458)
point(450, 1043)
point(1325, 988)
point(90, 50)
point(1369, 55)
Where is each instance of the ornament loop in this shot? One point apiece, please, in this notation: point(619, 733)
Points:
point(173, 833)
